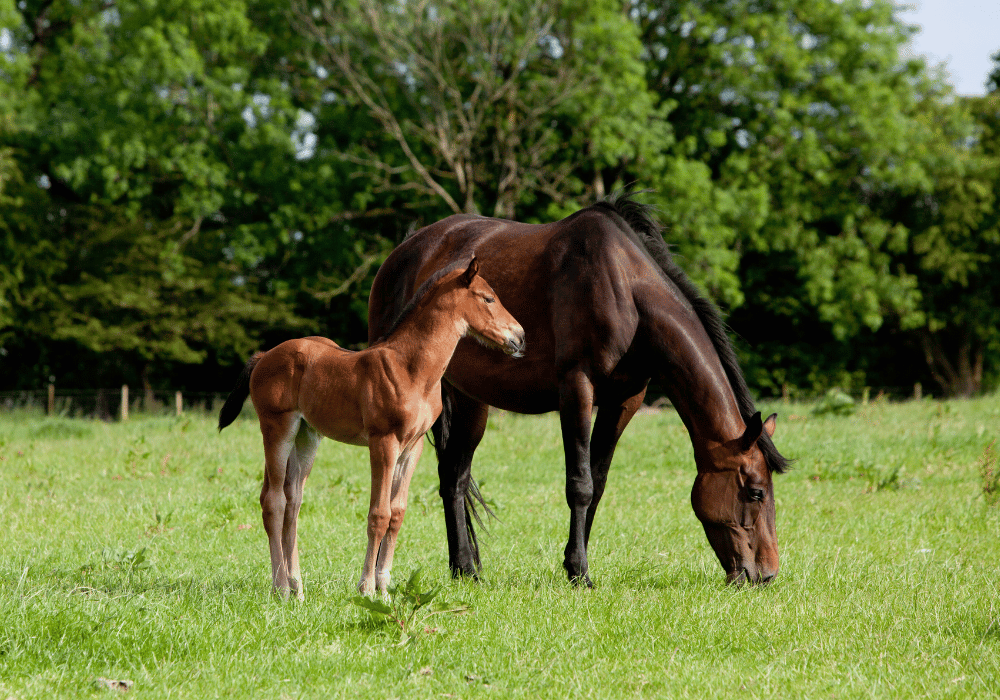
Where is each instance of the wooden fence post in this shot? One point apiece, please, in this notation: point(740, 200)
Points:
point(179, 401)
point(124, 402)
point(918, 391)
point(52, 399)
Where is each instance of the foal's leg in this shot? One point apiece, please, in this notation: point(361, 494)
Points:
point(468, 425)
point(405, 467)
point(576, 402)
point(608, 427)
point(300, 463)
point(382, 452)
point(278, 431)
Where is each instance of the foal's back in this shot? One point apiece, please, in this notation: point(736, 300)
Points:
point(316, 379)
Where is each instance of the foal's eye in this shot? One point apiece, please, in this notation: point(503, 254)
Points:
point(755, 494)
point(489, 300)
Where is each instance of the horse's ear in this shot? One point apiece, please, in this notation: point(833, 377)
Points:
point(471, 271)
point(770, 424)
point(753, 432)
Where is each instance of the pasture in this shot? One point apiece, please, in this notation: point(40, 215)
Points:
point(134, 551)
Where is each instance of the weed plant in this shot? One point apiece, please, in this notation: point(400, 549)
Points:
point(132, 560)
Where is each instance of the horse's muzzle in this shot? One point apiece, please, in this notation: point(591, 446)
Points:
point(743, 576)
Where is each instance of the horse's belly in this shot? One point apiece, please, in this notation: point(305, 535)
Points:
point(506, 385)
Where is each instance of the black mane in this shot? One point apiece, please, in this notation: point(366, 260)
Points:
point(648, 231)
point(417, 298)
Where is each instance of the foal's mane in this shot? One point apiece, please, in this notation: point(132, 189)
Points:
point(417, 297)
point(648, 233)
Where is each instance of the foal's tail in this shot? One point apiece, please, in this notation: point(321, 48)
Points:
point(234, 403)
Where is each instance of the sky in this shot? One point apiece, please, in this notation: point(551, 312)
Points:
point(961, 33)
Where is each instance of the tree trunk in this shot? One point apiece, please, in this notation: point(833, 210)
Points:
point(964, 376)
point(148, 398)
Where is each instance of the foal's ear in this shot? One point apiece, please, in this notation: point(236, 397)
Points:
point(471, 271)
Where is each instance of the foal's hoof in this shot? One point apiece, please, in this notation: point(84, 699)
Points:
point(288, 593)
point(581, 581)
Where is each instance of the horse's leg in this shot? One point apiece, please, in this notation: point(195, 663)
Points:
point(405, 466)
point(466, 429)
point(576, 402)
point(300, 462)
point(278, 431)
point(608, 427)
point(383, 452)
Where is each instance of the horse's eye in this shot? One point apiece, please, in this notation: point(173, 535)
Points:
point(755, 494)
point(489, 300)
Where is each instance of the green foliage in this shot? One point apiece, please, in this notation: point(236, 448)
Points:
point(409, 606)
point(184, 181)
point(836, 403)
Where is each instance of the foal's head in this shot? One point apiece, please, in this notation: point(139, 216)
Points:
point(733, 497)
point(488, 321)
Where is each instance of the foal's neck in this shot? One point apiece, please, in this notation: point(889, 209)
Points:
point(427, 340)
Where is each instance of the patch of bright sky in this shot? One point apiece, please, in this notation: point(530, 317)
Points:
point(963, 34)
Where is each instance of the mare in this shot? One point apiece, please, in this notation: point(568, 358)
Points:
point(605, 309)
point(385, 397)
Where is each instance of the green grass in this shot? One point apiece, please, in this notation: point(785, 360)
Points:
point(135, 551)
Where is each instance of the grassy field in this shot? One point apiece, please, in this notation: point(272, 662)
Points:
point(135, 552)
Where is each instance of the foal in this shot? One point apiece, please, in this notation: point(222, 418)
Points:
point(385, 397)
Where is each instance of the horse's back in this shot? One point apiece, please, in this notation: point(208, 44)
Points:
point(569, 284)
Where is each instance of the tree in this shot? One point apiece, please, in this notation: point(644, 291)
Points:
point(810, 125)
point(955, 245)
point(181, 136)
point(125, 131)
point(489, 106)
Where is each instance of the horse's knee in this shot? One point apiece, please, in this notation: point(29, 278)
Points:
point(579, 492)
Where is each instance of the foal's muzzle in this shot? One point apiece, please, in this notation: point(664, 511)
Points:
point(515, 345)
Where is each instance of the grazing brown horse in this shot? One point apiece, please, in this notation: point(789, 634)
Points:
point(385, 397)
point(605, 309)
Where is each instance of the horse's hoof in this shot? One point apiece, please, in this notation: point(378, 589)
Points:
point(469, 573)
point(581, 581)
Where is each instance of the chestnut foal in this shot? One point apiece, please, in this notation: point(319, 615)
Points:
point(386, 397)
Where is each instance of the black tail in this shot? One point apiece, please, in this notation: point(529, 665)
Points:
point(441, 430)
point(234, 402)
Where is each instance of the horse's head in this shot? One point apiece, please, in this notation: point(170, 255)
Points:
point(489, 322)
point(733, 497)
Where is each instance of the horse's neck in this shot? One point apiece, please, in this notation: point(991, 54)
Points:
point(696, 381)
point(426, 341)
